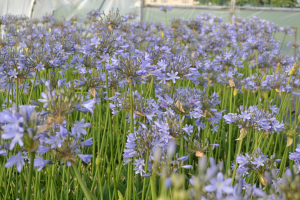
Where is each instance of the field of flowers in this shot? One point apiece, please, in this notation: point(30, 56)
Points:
point(110, 108)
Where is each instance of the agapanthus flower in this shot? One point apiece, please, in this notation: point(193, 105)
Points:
point(193, 103)
point(22, 127)
point(257, 163)
point(16, 160)
point(165, 8)
point(63, 101)
point(254, 119)
point(220, 185)
point(65, 146)
point(142, 107)
point(295, 156)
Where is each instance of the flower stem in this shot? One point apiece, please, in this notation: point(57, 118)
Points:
point(83, 187)
point(131, 108)
point(282, 43)
point(153, 186)
point(28, 192)
point(32, 87)
point(166, 18)
point(229, 135)
point(17, 93)
point(257, 71)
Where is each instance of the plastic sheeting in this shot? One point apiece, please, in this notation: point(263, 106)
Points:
point(291, 19)
point(44, 7)
point(16, 7)
point(82, 7)
point(69, 8)
point(66, 8)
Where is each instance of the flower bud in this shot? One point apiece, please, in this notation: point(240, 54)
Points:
point(235, 92)
point(98, 160)
point(120, 195)
point(264, 77)
point(293, 186)
point(244, 89)
point(62, 90)
point(220, 92)
point(177, 180)
point(293, 70)
point(108, 170)
point(265, 95)
point(66, 100)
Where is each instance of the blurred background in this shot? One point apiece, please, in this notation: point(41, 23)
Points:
point(281, 12)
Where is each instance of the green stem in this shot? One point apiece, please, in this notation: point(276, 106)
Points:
point(256, 62)
point(282, 43)
point(83, 186)
point(229, 134)
point(153, 186)
point(28, 192)
point(32, 86)
point(99, 182)
point(166, 19)
point(131, 108)
point(17, 93)
point(238, 153)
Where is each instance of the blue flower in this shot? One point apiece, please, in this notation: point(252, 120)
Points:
point(87, 143)
point(78, 128)
point(173, 76)
point(3, 152)
point(139, 166)
point(40, 66)
point(13, 73)
point(89, 105)
point(258, 162)
point(220, 185)
point(16, 138)
point(40, 163)
point(85, 157)
point(15, 160)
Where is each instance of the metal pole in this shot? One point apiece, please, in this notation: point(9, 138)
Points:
point(141, 11)
point(23, 7)
point(295, 50)
point(31, 9)
point(232, 7)
point(101, 5)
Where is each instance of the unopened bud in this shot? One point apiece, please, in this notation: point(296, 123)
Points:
point(235, 92)
point(177, 180)
point(220, 92)
point(263, 180)
point(108, 170)
point(265, 95)
point(264, 77)
point(293, 70)
point(98, 160)
point(66, 100)
point(293, 186)
point(244, 89)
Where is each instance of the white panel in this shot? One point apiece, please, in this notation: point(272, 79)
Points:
point(15, 7)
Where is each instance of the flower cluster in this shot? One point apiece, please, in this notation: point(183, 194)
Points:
point(64, 144)
point(255, 119)
point(62, 101)
point(256, 163)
